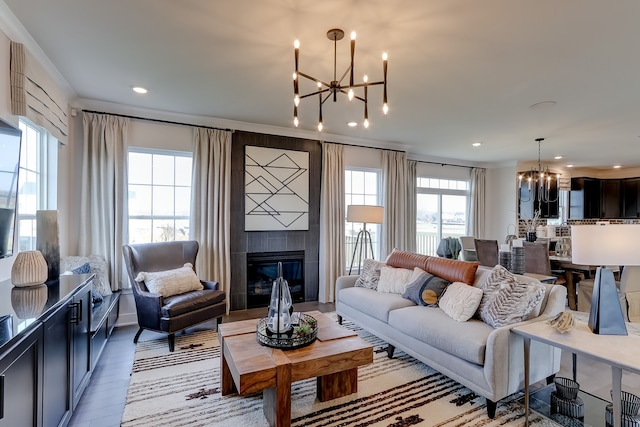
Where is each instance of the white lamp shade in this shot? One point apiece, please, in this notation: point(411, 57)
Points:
point(365, 213)
point(611, 244)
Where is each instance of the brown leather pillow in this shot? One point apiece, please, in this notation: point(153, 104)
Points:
point(404, 259)
point(453, 270)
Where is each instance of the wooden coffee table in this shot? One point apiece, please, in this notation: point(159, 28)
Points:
point(247, 367)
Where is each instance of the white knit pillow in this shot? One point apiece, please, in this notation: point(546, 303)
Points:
point(460, 301)
point(394, 280)
point(171, 282)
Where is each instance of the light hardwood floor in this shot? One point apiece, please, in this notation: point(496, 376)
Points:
point(103, 401)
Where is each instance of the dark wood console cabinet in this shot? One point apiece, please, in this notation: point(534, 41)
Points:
point(51, 356)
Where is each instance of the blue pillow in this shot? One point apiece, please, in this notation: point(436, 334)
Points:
point(86, 269)
point(82, 269)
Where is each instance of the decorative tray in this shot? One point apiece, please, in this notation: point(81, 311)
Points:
point(305, 331)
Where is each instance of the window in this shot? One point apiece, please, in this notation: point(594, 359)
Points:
point(159, 195)
point(441, 212)
point(31, 182)
point(362, 187)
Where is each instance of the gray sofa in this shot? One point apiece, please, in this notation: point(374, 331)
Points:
point(488, 361)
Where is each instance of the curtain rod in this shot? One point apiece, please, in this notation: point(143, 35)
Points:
point(364, 146)
point(445, 164)
point(169, 122)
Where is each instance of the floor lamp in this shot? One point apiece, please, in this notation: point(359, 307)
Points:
point(366, 214)
point(603, 245)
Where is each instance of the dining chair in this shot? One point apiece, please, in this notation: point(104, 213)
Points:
point(536, 260)
point(487, 252)
point(468, 248)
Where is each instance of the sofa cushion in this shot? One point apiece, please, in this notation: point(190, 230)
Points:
point(512, 302)
point(460, 301)
point(370, 274)
point(171, 282)
point(374, 303)
point(431, 325)
point(394, 280)
point(404, 259)
point(426, 289)
point(452, 269)
point(187, 303)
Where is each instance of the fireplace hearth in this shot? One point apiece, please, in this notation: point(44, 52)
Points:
point(262, 270)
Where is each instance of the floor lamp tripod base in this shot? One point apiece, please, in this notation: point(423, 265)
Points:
point(363, 239)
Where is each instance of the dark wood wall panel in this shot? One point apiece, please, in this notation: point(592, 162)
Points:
point(243, 242)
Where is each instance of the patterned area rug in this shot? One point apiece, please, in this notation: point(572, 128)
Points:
point(182, 389)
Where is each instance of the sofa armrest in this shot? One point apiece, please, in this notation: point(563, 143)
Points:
point(214, 286)
point(344, 282)
point(504, 353)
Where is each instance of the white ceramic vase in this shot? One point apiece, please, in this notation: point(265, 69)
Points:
point(29, 269)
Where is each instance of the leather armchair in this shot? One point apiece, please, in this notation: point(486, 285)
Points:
point(177, 312)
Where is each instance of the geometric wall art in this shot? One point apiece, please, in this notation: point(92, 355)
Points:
point(276, 185)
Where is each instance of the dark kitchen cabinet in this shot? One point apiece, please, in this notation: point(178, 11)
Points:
point(20, 379)
point(584, 198)
point(610, 198)
point(630, 191)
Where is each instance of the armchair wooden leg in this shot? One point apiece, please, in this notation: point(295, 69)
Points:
point(135, 339)
point(491, 408)
point(172, 342)
point(218, 321)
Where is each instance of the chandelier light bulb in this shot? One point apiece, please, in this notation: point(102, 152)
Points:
point(353, 35)
point(385, 108)
point(384, 56)
point(365, 78)
point(295, 121)
point(366, 123)
point(320, 127)
point(296, 44)
point(319, 85)
point(295, 76)
point(350, 94)
point(296, 100)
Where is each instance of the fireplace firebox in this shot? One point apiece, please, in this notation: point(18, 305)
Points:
point(262, 270)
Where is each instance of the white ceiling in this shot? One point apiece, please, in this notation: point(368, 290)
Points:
point(460, 71)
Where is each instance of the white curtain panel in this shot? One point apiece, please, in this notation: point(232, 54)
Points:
point(332, 218)
point(103, 204)
point(411, 216)
point(210, 222)
point(475, 227)
point(394, 227)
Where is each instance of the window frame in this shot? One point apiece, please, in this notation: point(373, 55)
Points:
point(159, 217)
point(352, 230)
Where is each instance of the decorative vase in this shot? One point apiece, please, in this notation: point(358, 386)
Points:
point(29, 269)
point(280, 306)
point(29, 302)
point(531, 236)
point(48, 242)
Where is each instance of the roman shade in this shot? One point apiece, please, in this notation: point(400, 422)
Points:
point(35, 95)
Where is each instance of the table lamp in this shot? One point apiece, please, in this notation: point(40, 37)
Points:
point(366, 214)
point(602, 245)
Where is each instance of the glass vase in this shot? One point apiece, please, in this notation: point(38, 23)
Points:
point(280, 306)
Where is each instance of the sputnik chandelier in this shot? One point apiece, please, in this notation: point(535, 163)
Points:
point(326, 90)
point(539, 182)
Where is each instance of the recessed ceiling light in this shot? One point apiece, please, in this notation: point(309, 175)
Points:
point(477, 144)
point(569, 166)
point(557, 157)
point(617, 166)
point(352, 124)
point(139, 89)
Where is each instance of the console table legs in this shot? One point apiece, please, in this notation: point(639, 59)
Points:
point(527, 347)
point(616, 382)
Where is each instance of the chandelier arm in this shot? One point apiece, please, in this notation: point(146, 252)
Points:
point(381, 82)
point(306, 76)
point(315, 93)
point(354, 96)
point(326, 97)
point(344, 75)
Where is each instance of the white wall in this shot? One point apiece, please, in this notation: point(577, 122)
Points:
point(501, 202)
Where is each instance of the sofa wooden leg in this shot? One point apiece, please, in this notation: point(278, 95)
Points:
point(390, 350)
point(339, 320)
point(172, 342)
point(135, 339)
point(550, 379)
point(491, 408)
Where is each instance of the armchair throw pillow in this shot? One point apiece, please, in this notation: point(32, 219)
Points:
point(171, 282)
